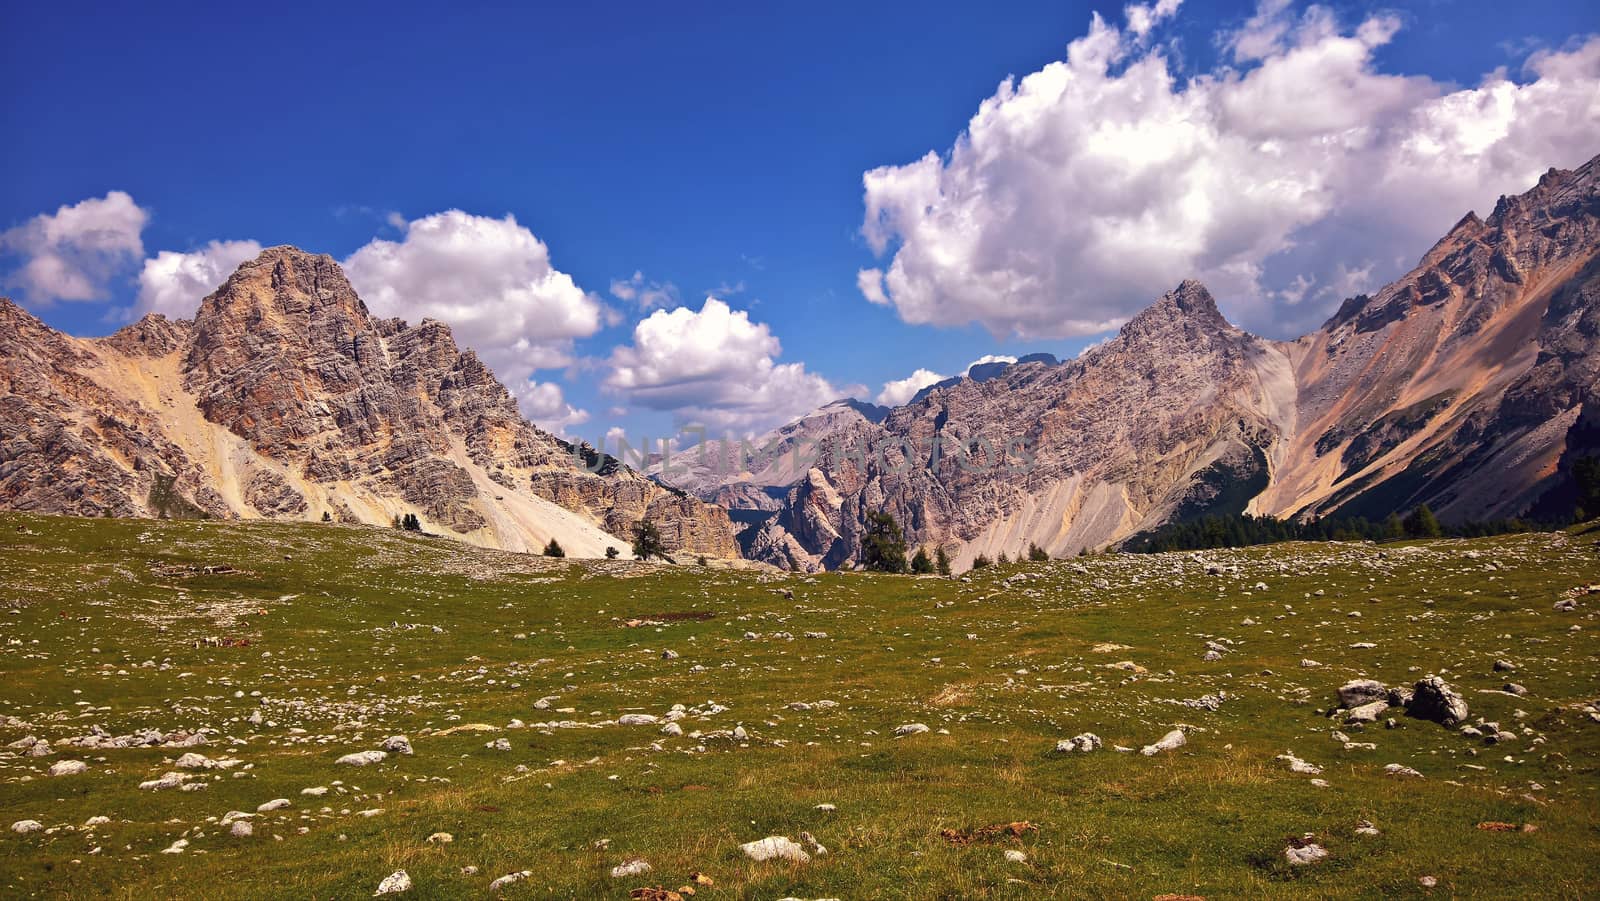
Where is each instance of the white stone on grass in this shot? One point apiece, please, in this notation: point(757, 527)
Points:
point(1172, 740)
point(393, 884)
point(775, 847)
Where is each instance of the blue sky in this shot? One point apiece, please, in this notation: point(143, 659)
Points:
point(720, 148)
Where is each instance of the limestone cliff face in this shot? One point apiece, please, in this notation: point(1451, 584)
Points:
point(285, 398)
point(1468, 385)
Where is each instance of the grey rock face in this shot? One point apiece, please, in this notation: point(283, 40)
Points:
point(1433, 699)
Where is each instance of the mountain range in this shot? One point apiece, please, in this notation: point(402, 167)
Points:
point(1469, 384)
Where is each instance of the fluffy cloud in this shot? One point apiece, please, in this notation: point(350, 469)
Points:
point(491, 280)
point(174, 283)
point(544, 404)
point(646, 294)
point(870, 283)
point(714, 367)
point(1287, 180)
point(74, 253)
point(900, 391)
point(1142, 17)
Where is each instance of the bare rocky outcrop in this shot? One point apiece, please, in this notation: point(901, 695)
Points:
point(1457, 385)
point(1172, 416)
point(285, 398)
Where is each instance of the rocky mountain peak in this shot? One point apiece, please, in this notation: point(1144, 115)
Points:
point(154, 335)
point(291, 401)
point(283, 287)
point(1188, 311)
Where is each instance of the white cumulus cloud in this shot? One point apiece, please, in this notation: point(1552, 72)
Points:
point(900, 391)
point(75, 252)
point(174, 283)
point(544, 404)
point(714, 367)
point(492, 282)
point(1286, 180)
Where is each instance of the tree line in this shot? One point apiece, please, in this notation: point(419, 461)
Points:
point(1244, 530)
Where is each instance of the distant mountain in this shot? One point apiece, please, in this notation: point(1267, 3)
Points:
point(1470, 385)
point(284, 398)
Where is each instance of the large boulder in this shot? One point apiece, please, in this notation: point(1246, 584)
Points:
point(1361, 691)
point(1433, 699)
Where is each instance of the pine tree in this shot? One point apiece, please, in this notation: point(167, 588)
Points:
point(1003, 559)
point(553, 549)
point(647, 541)
point(941, 561)
point(1393, 528)
point(1422, 523)
point(611, 553)
point(920, 564)
point(1586, 473)
point(410, 523)
point(1037, 554)
point(980, 561)
point(883, 547)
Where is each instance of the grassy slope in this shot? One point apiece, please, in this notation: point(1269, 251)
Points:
point(346, 615)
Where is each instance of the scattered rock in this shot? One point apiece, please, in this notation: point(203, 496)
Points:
point(775, 847)
point(397, 744)
point(508, 880)
point(23, 827)
point(1367, 713)
point(1168, 742)
point(1362, 691)
point(1433, 699)
point(166, 782)
point(362, 758)
point(68, 768)
point(1296, 765)
point(910, 729)
point(394, 884)
point(1084, 743)
point(633, 866)
point(1303, 851)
